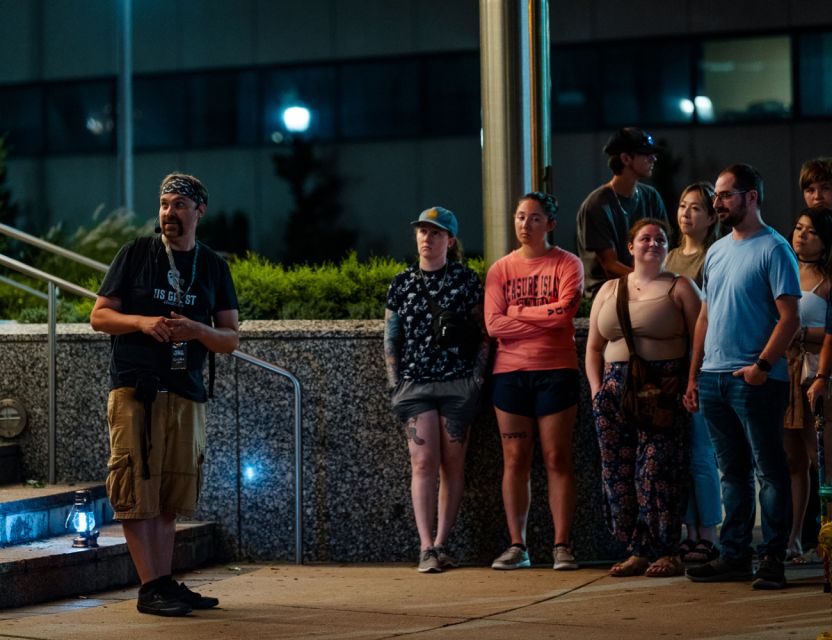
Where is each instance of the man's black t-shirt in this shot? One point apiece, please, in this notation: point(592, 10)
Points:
point(140, 278)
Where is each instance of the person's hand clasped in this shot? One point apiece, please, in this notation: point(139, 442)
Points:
point(182, 328)
point(156, 327)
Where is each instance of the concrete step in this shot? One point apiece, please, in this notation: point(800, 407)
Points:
point(51, 569)
point(29, 513)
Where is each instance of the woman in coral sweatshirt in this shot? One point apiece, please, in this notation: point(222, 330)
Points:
point(531, 296)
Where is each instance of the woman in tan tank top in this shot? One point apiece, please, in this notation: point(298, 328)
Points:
point(644, 472)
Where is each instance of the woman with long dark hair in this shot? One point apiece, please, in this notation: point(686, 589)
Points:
point(699, 227)
point(531, 296)
point(811, 240)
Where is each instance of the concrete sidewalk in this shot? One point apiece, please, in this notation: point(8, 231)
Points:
point(260, 602)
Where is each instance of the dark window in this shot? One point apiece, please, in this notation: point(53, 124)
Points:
point(380, 99)
point(311, 87)
point(81, 117)
point(646, 83)
point(159, 105)
point(452, 95)
point(21, 119)
point(816, 74)
point(576, 100)
point(220, 109)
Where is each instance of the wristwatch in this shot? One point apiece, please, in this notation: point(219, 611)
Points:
point(763, 364)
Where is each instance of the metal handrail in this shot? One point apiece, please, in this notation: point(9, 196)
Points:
point(298, 446)
point(17, 234)
point(54, 283)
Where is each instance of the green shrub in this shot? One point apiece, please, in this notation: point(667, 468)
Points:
point(351, 289)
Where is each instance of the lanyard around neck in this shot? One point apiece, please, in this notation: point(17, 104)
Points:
point(177, 284)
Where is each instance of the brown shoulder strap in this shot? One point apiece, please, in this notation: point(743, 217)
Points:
point(622, 306)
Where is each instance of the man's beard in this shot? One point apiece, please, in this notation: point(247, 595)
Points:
point(734, 217)
point(172, 233)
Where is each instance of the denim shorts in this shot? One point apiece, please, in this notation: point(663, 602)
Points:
point(456, 400)
point(536, 393)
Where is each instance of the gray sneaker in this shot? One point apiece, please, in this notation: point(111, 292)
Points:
point(515, 557)
point(446, 560)
point(564, 558)
point(429, 561)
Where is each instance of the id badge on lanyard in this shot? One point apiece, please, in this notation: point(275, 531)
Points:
point(179, 350)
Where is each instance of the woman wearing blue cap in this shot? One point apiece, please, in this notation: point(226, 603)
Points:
point(435, 353)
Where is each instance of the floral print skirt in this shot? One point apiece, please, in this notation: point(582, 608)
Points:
point(644, 472)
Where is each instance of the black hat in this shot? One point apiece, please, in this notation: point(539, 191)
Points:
point(630, 140)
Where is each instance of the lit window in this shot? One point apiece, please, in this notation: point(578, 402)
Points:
point(747, 79)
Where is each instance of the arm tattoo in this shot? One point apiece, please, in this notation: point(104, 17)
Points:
point(392, 346)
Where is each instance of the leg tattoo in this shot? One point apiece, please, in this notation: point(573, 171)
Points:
point(511, 435)
point(457, 431)
point(410, 432)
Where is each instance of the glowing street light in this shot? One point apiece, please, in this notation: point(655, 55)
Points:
point(296, 119)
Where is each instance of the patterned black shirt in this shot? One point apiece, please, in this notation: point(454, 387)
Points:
point(459, 290)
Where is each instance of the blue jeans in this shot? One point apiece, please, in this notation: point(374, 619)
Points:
point(704, 501)
point(746, 425)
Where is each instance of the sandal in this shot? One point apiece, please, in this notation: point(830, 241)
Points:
point(665, 567)
point(685, 547)
point(632, 566)
point(703, 552)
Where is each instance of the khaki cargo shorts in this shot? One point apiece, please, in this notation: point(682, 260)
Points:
point(175, 459)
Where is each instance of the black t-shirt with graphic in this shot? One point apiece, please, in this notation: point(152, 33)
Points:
point(458, 289)
point(143, 284)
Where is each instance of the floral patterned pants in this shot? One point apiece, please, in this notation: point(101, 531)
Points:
point(644, 472)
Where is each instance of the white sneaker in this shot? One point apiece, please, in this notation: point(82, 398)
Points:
point(514, 557)
point(564, 558)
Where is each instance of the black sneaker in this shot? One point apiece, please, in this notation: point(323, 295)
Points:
point(721, 570)
point(192, 598)
point(770, 574)
point(159, 601)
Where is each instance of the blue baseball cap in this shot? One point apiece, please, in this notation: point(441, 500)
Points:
point(439, 217)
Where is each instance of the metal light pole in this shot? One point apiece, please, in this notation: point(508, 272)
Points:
point(124, 112)
point(516, 90)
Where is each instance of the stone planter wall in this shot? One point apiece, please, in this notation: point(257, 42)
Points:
point(355, 462)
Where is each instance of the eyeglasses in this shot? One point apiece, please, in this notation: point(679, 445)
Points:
point(724, 195)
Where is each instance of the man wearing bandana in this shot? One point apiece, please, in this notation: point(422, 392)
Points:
point(167, 301)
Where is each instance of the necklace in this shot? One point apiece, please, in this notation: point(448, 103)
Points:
point(441, 282)
point(618, 201)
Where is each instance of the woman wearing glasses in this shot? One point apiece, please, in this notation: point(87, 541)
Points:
point(699, 226)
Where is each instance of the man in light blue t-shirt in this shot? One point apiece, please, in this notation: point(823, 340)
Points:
point(738, 378)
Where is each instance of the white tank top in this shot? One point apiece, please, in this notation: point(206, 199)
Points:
point(812, 308)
